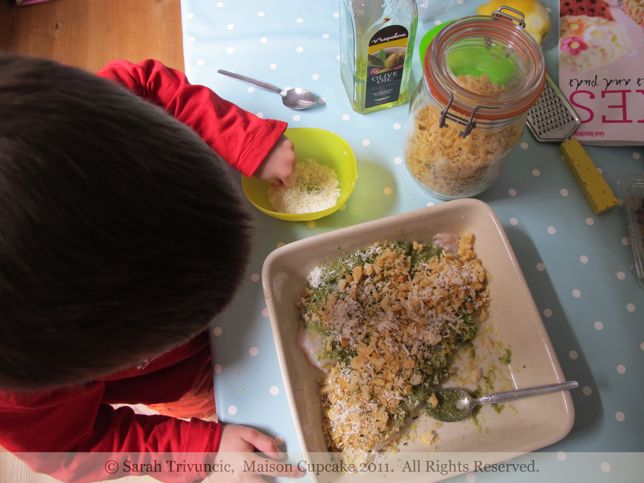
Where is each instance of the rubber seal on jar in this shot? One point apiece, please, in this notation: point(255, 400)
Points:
point(486, 113)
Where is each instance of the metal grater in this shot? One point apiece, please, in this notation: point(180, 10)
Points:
point(552, 118)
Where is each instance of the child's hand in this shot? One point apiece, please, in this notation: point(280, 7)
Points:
point(239, 446)
point(278, 167)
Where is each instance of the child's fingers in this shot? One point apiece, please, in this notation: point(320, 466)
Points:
point(289, 180)
point(263, 443)
point(284, 180)
point(285, 175)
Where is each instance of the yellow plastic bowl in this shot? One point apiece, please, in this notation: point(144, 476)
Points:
point(326, 148)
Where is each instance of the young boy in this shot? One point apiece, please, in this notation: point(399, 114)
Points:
point(121, 236)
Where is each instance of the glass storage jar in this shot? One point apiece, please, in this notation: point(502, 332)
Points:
point(481, 75)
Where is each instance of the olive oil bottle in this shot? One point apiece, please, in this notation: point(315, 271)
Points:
point(376, 52)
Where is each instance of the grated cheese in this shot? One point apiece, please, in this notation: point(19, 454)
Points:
point(316, 188)
point(385, 320)
point(316, 276)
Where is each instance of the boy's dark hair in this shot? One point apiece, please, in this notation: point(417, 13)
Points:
point(121, 232)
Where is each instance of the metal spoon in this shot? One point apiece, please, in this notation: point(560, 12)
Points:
point(294, 98)
point(457, 404)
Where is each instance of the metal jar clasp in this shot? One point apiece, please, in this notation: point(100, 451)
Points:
point(468, 123)
point(518, 16)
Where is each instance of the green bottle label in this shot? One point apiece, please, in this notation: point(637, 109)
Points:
point(386, 51)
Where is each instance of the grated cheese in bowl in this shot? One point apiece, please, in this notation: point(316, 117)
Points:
point(316, 188)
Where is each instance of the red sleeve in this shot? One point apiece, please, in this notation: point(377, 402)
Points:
point(241, 138)
point(76, 421)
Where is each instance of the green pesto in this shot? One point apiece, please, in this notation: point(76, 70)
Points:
point(433, 366)
point(445, 409)
point(490, 378)
point(506, 358)
point(332, 274)
point(438, 357)
point(475, 418)
point(470, 327)
point(316, 327)
point(399, 246)
point(424, 255)
point(341, 354)
point(316, 299)
point(424, 390)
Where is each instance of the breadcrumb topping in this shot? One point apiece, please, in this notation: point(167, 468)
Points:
point(389, 317)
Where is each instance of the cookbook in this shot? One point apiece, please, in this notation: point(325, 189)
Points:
point(601, 68)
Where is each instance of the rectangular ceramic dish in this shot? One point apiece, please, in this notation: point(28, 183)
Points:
point(533, 423)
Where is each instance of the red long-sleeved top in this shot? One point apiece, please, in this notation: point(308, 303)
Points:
point(80, 419)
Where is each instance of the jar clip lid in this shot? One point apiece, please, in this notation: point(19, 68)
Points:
point(468, 123)
point(519, 17)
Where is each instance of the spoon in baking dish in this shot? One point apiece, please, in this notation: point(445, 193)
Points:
point(456, 404)
point(294, 98)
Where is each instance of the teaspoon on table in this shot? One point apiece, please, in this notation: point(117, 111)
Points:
point(457, 404)
point(294, 98)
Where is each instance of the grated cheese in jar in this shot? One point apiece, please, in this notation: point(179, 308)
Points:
point(316, 188)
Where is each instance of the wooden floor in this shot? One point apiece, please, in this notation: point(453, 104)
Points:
point(88, 34)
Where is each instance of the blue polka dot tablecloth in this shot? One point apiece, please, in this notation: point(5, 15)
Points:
point(579, 266)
